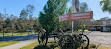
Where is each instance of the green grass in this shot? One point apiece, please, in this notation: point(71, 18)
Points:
point(84, 30)
point(50, 45)
point(35, 45)
point(17, 34)
point(2, 44)
point(100, 47)
point(1, 35)
point(103, 47)
point(30, 46)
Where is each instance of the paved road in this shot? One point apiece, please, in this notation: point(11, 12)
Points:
point(103, 38)
point(17, 38)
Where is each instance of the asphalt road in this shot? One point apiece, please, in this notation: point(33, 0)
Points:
point(17, 38)
point(103, 38)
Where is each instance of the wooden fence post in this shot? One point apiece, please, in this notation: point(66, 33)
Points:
point(21, 33)
point(3, 34)
point(12, 33)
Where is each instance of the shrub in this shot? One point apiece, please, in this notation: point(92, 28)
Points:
point(92, 45)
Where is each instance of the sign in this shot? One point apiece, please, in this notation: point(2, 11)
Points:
point(106, 22)
point(76, 16)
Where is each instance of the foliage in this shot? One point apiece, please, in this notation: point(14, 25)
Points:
point(106, 5)
point(18, 25)
point(35, 45)
point(52, 10)
point(28, 12)
point(75, 35)
point(30, 46)
point(83, 8)
point(12, 23)
point(92, 45)
point(103, 47)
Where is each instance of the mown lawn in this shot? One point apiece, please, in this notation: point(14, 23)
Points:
point(30, 46)
point(2, 44)
point(102, 47)
point(17, 34)
point(35, 45)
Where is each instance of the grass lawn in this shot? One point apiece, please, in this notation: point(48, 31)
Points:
point(17, 34)
point(35, 45)
point(30, 46)
point(102, 47)
point(2, 44)
point(1, 35)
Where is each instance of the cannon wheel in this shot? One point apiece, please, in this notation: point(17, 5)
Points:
point(42, 38)
point(66, 42)
point(85, 41)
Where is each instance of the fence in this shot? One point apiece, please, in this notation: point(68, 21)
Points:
point(18, 34)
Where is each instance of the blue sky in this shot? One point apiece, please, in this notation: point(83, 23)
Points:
point(15, 6)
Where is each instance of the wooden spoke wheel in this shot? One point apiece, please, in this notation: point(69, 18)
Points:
point(66, 42)
point(42, 39)
point(84, 41)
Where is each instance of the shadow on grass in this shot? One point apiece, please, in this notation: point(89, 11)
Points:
point(45, 47)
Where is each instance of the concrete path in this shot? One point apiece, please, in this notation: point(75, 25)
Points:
point(19, 45)
point(103, 38)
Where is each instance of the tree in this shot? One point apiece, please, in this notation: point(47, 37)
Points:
point(7, 26)
point(75, 5)
point(26, 19)
point(23, 14)
point(52, 10)
point(27, 12)
point(30, 9)
point(84, 7)
point(13, 23)
point(1, 22)
point(36, 25)
point(106, 5)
